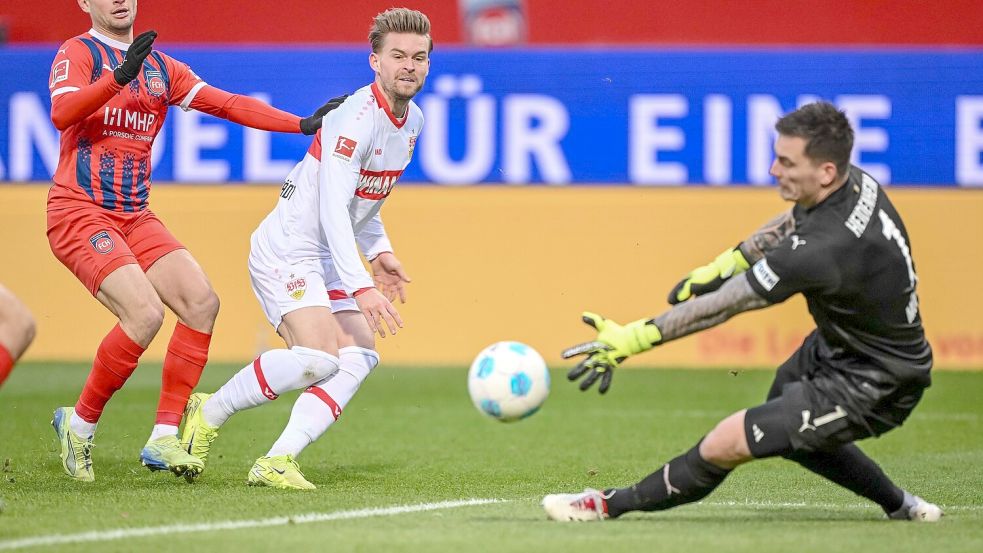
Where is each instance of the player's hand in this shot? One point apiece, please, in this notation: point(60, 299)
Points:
point(709, 277)
point(378, 312)
point(135, 54)
point(389, 276)
point(310, 125)
point(613, 345)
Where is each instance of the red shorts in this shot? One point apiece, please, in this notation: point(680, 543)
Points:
point(93, 242)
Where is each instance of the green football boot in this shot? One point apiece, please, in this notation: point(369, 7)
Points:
point(198, 435)
point(76, 452)
point(281, 471)
point(165, 453)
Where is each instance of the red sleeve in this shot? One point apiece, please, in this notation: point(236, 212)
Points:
point(185, 84)
point(244, 110)
point(73, 98)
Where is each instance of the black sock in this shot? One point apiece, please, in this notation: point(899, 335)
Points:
point(685, 479)
point(851, 468)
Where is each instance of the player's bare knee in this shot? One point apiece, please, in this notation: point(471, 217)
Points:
point(725, 445)
point(28, 330)
point(17, 328)
point(204, 310)
point(143, 321)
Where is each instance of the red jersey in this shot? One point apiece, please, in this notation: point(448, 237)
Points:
point(108, 129)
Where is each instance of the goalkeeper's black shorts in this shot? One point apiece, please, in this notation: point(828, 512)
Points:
point(812, 406)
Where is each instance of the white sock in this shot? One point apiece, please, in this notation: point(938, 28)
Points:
point(163, 430)
point(81, 427)
point(281, 370)
point(320, 405)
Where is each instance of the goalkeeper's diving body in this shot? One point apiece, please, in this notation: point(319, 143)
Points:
point(859, 374)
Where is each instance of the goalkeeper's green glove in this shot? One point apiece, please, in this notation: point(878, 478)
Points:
point(613, 345)
point(710, 276)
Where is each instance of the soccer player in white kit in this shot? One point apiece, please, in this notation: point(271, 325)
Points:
point(305, 266)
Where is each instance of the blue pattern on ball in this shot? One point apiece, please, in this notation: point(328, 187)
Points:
point(521, 384)
point(491, 407)
point(518, 348)
point(485, 367)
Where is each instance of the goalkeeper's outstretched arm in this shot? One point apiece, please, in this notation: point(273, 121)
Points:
point(767, 237)
point(733, 261)
point(734, 296)
point(615, 343)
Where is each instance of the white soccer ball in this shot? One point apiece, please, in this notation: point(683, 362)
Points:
point(508, 381)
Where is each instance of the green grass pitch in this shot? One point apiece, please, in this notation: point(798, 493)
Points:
point(411, 437)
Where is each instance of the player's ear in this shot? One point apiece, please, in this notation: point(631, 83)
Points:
point(828, 173)
point(373, 61)
point(84, 5)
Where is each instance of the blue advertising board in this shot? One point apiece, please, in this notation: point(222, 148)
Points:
point(561, 116)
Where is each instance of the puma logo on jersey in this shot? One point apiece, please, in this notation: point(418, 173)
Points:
point(796, 241)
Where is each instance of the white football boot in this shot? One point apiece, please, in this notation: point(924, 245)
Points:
point(917, 509)
point(588, 505)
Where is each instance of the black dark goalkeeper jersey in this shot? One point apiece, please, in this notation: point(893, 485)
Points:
point(851, 258)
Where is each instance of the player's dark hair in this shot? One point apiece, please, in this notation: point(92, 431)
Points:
point(398, 20)
point(826, 130)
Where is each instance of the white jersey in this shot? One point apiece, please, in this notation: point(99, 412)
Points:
point(331, 199)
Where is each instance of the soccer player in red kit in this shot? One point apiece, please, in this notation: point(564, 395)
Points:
point(109, 97)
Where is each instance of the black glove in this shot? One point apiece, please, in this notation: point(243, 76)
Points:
point(135, 54)
point(310, 125)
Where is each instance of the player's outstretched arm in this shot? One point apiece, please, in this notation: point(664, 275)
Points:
point(734, 296)
point(250, 112)
point(767, 237)
point(733, 261)
point(615, 343)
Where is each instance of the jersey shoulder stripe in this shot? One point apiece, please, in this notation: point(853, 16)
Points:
point(96, 58)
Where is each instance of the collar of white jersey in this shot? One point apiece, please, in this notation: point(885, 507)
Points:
point(108, 41)
point(380, 99)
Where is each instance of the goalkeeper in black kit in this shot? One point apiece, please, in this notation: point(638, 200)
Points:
point(859, 374)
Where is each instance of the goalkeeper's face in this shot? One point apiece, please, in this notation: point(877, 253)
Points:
point(402, 64)
point(800, 179)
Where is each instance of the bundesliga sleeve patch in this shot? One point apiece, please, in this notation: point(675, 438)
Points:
point(59, 73)
point(765, 276)
point(345, 148)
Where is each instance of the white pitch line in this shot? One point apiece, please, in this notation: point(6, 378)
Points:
point(123, 533)
point(830, 506)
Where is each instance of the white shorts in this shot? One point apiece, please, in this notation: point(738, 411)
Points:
point(283, 287)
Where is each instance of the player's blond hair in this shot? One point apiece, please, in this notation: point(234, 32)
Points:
point(398, 20)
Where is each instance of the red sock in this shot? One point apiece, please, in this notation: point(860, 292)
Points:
point(6, 364)
point(115, 361)
point(186, 356)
